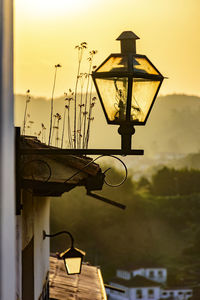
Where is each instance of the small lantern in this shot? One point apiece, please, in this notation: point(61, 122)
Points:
point(127, 85)
point(73, 258)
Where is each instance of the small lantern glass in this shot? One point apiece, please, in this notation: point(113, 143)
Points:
point(73, 258)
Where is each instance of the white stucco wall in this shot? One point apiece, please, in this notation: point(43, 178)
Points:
point(131, 293)
point(156, 271)
point(145, 293)
point(186, 293)
point(33, 220)
point(41, 247)
point(19, 257)
point(7, 175)
point(140, 272)
point(115, 295)
point(123, 274)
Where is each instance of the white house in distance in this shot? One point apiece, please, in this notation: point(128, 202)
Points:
point(145, 284)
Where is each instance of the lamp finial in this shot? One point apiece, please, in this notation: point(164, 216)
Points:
point(128, 42)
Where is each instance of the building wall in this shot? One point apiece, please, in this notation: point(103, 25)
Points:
point(115, 295)
point(18, 257)
point(41, 247)
point(30, 225)
point(148, 293)
point(179, 294)
point(131, 293)
point(153, 274)
point(7, 176)
point(123, 274)
point(140, 272)
point(145, 293)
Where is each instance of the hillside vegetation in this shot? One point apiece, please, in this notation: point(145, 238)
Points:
point(158, 228)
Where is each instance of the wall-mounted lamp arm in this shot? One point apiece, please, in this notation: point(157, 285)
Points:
point(114, 203)
point(58, 233)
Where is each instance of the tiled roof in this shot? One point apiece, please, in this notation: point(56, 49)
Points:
point(136, 281)
point(86, 286)
point(141, 266)
point(176, 288)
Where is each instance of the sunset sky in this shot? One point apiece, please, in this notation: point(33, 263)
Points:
point(46, 32)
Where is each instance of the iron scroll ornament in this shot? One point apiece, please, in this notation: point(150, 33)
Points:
point(103, 180)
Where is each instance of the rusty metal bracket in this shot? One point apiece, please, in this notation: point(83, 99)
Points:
point(111, 202)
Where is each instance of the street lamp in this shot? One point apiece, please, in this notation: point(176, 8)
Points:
point(72, 257)
point(127, 85)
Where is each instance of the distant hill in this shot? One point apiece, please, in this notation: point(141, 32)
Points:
point(173, 125)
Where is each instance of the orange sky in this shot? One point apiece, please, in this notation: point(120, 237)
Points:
point(46, 32)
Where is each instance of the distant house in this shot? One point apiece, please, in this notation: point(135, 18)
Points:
point(155, 274)
point(145, 284)
point(176, 293)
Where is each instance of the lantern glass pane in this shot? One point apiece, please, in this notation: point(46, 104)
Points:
point(115, 64)
point(142, 97)
point(142, 65)
point(113, 92)
point(73, 265)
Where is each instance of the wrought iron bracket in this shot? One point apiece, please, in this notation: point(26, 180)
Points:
point(125, 130)
point(126, 134)
point(111, 202)
point(81, 152)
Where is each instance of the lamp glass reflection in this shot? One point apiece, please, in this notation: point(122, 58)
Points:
point(73, 258)
point(73, 265)
point(115, 64)
point(142, 65)
point(114, 96)
point(143, 94)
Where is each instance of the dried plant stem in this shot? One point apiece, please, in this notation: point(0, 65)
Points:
point(43, 136)
point(24, 123)
point(90, 59)
point(85, 105)
point(89, 119)
point(75, 101)
point(57, 135)
point(80, 112)
point(28, 99)
point(53, 128)
point(63, 130)
point(54, 84)
point(52, 95)
point(69, 130)
point(80, 48)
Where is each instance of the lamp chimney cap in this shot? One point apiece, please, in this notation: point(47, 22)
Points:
point(127, 35)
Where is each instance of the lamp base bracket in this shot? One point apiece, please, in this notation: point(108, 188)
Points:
point(80, 152)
